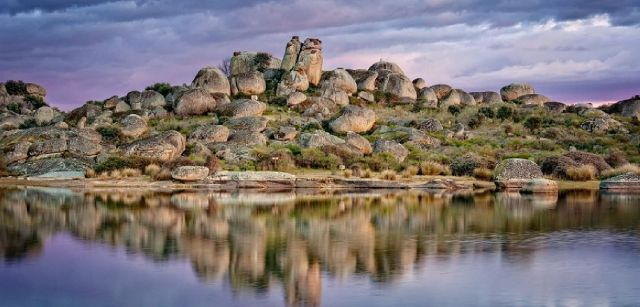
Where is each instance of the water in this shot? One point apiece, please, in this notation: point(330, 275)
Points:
point(384, 248)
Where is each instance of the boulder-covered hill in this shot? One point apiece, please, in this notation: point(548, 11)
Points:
point(286, 114)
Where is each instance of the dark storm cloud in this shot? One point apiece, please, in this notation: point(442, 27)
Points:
point(92, 49)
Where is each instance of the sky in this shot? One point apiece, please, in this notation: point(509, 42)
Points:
point(570, 50)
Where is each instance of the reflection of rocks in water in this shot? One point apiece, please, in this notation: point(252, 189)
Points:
point(254, 240)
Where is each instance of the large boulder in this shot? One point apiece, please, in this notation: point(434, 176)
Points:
point(359, 143)
point(627, 108)
point(47, 142)
point(295, 80)
point(392, 147)
point(428, 97)
point(517, 169)
point(209, 134)
point(486, 97)
point(319, 138)
point(533, 99)
point(244, 62)
point(291, 53)
point(296, 98)
point(319, 107)
point(248, 83)
point(602, 125)
point(555, 107)
point(44, 115)
point(247, 138)
point(354, 119)
point(458, 97)
point(285, 133)
point(133, 126)
point(248, 123)
point(162, 147)
point(190, 173)
point(441, 90)
point(35, 89)
point(51, 168)
point(244, 107)
point(514, 90)
point(340, 79)
point(399, 86)
point(365, 79)
point(196, 101)
point(145, 100)
point(419, 84)
point(310, 60)
point(384, 65)
point(213, 80)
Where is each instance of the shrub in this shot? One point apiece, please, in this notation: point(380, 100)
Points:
point(581, 173)
point(164, 174)
point(533, 123)
point(589, 158)
point(118, 163)
point(389, 175)
point(13, 107)
point(316, 158)
point(346, 154)
point(261, 61)
point(628, 168)
point(108, 132)
point(482, 173)
point(380, 161)
point(16, 87)
point(90, 173)
point(557, 166)
point(280, 160)
point(504, 113)
point(152, 170)
point(454, 110)
point(130, 172)
point(410, 171)
point(3, 167)
point(29, 123)
point(475, 121)
point(162, 88)
point(430, 168)
point(464, 166)
point(35, 101)
point(213, 164)
point(487, 112)
point(616, 158)
point(367, 174)
point(347, 173)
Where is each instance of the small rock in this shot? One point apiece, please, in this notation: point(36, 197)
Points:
point(296, 98)
point(190, 173)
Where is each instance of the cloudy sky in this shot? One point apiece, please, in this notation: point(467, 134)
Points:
point(570, 50)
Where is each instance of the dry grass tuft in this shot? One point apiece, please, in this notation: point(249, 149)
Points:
point(389, 175)
point(164, 174)
point(482, 173)
point(410, 171)
point(130, 172)
point(152, 170)
point(430, 168)
point(582, 173)
point(367, 174)
point(90, 173)
point(627, 168)
point(347, 173)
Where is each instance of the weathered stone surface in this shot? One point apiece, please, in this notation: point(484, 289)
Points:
point(554, 106)
point(296, 98)
point(365, 79)
point(209, 134)
point(246, 62)
point(10, 121)
point(419, 84)
point(354, 119)
point(430, 125)
point(121, 107)
point(517, 169)
point(310, 60)
point(399, 86)
point(602, 125)
point(539, 185)
point(627, 108)
point(196, 101)
point(48, 166)
point(339, 79)
point(146, 100)
point(17, 153)
point(104, 119)
point(533, 99)
point(334, 94)
point(36, 89)
point(441, 90)
point(163, 147)
point(486, 97)
point(384, 65)
point(458, 97)
point(291, 53)
point(133, 126)
point(394, 148)
point(319, 107)
point(253, 179)
point(359, 143)
point(3, 90)
point(514, 90)
point(44, 115)
point(213, 80)
point(428, 97)
point(367, 96)
point(247, 138)
point(244, 107)
point(295, 80)
point(190, 173)
point(285, 133)
point(249, 83)
point(626, 182)
point(248, 123)
point(319, 138)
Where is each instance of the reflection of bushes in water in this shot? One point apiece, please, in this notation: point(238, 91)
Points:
point(16, 245)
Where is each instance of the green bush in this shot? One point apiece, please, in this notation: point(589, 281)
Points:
point(464, 166)
point(162, 88)
point(280, 160)
point(487, 112)
point(16, 87)
point(533, 123)
point(504, 113)
point(454, 110)
point(381, 161)
point(108, 132)
point(316, 158)
point(29, 123)
point(13, 107)
point(35, 101)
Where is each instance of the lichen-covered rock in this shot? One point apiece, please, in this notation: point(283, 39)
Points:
point(394, 148)
point(213, 80)
point(339, 79)
point(627, 108)
point(248, 123)
point(244, 62)
point(310, 60)
point(247, 138)
point(554, 106)
point(295, 80)
point(430, 125)
point(209, 134)
point(384, 65)
point(517, 169)
point(365, 79)
point(121, 106)
point(486, 97)
point(190, 173)
point(44, 115)
point(428, 97)
point(399, 86)
point(319, 107)
point(367, 96)
point(359, 143)
point(111, 102)
point(244, 107)
point(35, 89)
point(602, 125)
point(195, 101)
point(441, 90)
point(248, 83)
point(296, 98)
point(47, 142)
point(514, 90)
point(334, 94)
point(625, 182)
point(162, 147)
point(319, 138)
point(458, 97)
point(419, 84)
point(354, 119)
point(285, 133)
point(291, 53)
point(145, 100)
point(133, 126)
point(533, 99)
point(52, 168)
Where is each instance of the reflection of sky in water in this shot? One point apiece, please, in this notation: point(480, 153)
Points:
point(408, 248)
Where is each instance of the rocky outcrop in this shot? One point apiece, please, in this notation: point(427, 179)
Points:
point(539, 185)
point(248, 83)
point(359, 143)
point(399, 86)
point(441, 90)
point(244, 62)
point(486, 97)
point(458, 97)
point(419, 84)
point(627, 108)
point(190, 173)
point(533, 99)
point(428, 97)
point(430, 125)
point(63, 168)
point(209, 134)
point(162, 147)
point(44, 115)
point(133, 126)
point(253, 179)
point(365, 79)
point(49, 142)
point(517, 169)
point(554, 106)
point(285, 133)
point(319, 108)
point(291, 52)
point(244, 107)
point(295, 80)
point(514, 90)
point(247, 138)
point(310, 60)
point(354, 119)
point(196, 101)
point(296, 98)
point(626, 182)
point(384, 65)
point(340, 80)
point(212, 80)
point(602, 125)
point(394, 148)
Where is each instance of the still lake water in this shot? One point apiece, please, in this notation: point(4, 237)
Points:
point(384, 248)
